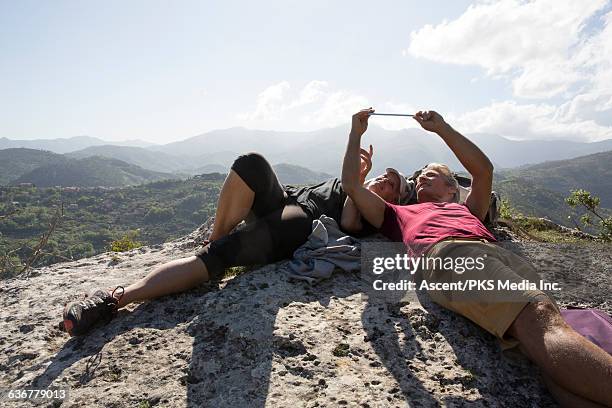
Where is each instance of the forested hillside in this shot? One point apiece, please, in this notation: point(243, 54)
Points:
point(17, 162)
point(540, 190)
point(159, 211)
point(139, 156)
point(534, 199)
point(135, 166)
point(94, 217)
point(90, 172)
point(592, 173)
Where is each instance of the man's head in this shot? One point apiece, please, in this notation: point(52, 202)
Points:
point(437, 184)
point(390, 186)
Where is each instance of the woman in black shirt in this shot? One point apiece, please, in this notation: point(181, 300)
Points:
point(278, 220)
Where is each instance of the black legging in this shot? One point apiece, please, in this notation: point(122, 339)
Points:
point(275, 228)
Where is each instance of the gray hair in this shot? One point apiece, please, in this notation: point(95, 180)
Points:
point(447, 174)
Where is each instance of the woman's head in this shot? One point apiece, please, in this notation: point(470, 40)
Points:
point(387, 186)
point(437, 184)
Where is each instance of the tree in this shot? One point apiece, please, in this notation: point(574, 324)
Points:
point(583, 198)
point(12, 264)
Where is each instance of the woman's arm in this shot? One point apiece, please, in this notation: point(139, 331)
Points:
point(370, 205)
point(351, 217)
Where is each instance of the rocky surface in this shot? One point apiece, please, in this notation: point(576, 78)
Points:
point(261, 340)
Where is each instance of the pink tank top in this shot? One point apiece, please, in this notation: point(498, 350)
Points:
point(419, 226)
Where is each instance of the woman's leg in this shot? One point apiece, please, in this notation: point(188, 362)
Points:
point(250, 186)
point(101, 306)
point(265, 240)
point(172, 277)
point(567, 399)
point(269, 239)
point(235, 202)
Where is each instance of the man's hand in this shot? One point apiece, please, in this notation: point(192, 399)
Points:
point(366, 163)
point(431, 120)
point(360, 121)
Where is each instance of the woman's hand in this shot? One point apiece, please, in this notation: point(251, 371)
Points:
point(360, 122)
point(366, 163)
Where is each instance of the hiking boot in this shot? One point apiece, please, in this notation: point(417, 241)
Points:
point(100, 306)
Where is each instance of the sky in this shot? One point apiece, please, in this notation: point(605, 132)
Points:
point(163, 71)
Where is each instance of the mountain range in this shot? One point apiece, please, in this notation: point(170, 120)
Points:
point(65, 145)
point(320, 150)
point(45, 169)
point(16, 162)
point(534, 189)
point(592, 173)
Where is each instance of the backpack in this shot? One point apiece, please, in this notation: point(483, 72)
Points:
point(465, 185)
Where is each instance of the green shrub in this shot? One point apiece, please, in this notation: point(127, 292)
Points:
point(506, 211)
point(584, 199)
point(126, 243)
point(81, 250)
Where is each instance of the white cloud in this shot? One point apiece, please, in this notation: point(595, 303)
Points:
point(546, 48)
point(312, 92)
point(337, 107)
point(507, 35)
point(315, 105)
point(270, 103)
point(528, 121)
point(539, 80)
point(318, 105)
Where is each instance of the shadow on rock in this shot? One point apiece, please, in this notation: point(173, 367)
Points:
point(498, 376)
point(236, 338)
point(90, 347)
point(384, 324)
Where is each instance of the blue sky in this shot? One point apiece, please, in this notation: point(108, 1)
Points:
point(165, 71)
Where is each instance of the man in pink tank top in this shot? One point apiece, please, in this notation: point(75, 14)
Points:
point(576, 371)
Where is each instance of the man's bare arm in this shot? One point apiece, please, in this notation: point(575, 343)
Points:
point(471, 157)
point(370, 205)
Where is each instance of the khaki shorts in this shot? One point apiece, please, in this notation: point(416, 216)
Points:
point(492, 310)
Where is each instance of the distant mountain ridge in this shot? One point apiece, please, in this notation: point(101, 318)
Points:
point(147, 159)
point(537, 190)
point(592, 173)
point(90, 172)
point(65, 145)
point(16, 162)
point(292, 174)
point(320, 150)
point(43, 168)
point(407, 149)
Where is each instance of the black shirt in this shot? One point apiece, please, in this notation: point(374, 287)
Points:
point(324, 198)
